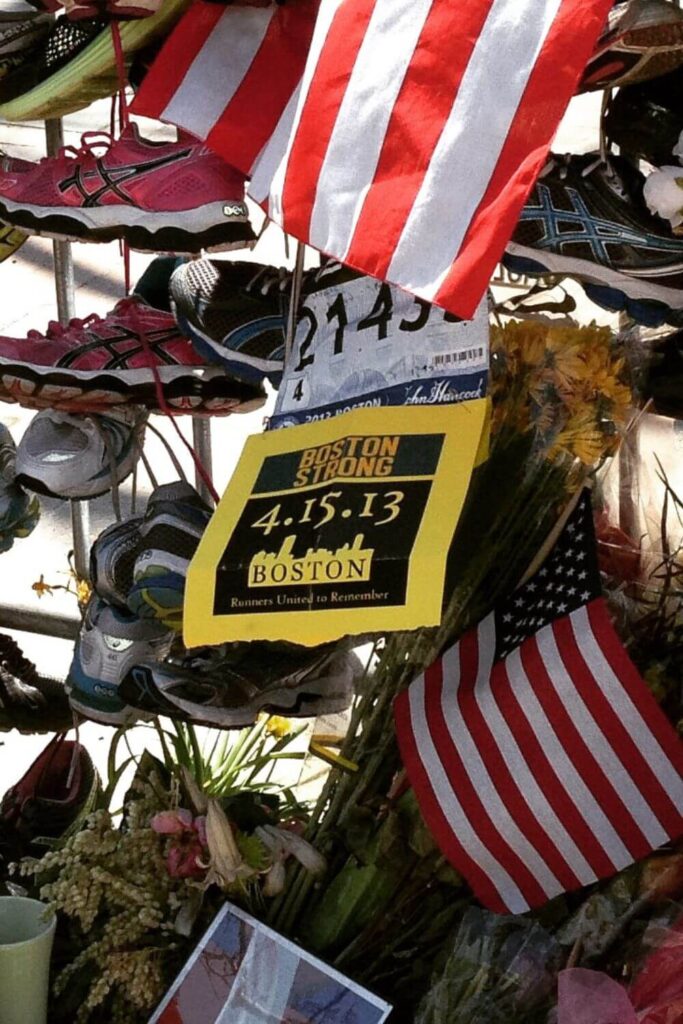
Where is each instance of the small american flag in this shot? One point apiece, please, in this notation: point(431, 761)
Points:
point(540, 760)
point(401, 137)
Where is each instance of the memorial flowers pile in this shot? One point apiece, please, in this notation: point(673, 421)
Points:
point(134, 891)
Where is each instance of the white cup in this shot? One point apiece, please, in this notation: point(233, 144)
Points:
point(26, 937)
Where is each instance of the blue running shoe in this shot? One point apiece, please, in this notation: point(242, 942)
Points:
point(586, 219)
point(174, 523)
point(110, 642)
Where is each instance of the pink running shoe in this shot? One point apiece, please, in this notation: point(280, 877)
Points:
point(174, 197)
point(133, 355)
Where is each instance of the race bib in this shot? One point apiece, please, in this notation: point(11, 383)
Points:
point(364, 343)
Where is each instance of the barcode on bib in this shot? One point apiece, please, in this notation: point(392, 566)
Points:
point(447, 358)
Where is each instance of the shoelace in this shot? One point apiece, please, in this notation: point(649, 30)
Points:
point(91, 142)
point(562, 165)
point(55, 330)
point(266, 279)
point(164, 406)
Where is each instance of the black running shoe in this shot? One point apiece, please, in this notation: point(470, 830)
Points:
point(29, 702)
point(64, 42)
point(586, 219)
point(228, 687)
point(19, 39)
point(235, 315)
point(646, 121)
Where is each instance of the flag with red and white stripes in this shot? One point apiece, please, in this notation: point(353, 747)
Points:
point(540, 760)
point(407, 140)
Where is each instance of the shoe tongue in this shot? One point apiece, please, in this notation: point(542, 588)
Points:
point(178, 491)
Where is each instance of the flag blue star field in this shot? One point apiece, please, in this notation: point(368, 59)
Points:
point(540, 759)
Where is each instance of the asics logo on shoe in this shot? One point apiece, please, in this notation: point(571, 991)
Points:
point(120, 349)
point(112, 177)
point(561, 226)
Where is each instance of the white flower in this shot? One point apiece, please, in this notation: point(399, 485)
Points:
point(663, 194)
point(282, 843)
point(678, 148)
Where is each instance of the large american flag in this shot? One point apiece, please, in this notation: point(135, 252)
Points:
point(401, 137)
point(539, 758)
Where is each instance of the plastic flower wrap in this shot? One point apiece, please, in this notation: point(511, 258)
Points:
point(497, 970)
point(663, 193)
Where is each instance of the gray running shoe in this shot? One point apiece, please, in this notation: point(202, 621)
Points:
point(111, 641)
point(79, 456)
point(227, 687)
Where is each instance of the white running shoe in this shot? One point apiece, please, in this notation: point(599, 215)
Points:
point(79, 456)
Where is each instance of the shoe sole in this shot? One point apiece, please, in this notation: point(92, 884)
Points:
point(644, 301)
point(248, 369)
point(92, 74)
point(184, 232)
point(204, 391)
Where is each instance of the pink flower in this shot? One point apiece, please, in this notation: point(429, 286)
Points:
point(184, 858)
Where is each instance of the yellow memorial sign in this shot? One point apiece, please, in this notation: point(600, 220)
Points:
point(338, 527)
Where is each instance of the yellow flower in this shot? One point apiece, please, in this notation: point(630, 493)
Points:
point(41, 587)
point(278, 726)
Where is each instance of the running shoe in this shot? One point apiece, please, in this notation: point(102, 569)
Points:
point(29, 702)
point(112, 560)
point(642, 40)
point(60, 43)
point(19, 511)
point(157, 196)
point(228, 687)
point(49, 802)
point(172, 527)
point(79, 457)
point(134, 355)
point(20, 35)
point(79, 69)
point(586, 219)
point(110, 642)
point(646, 121)
point(235, 314)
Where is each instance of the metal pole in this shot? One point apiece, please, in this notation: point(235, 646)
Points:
point(201, 439)
point(297, 276)
point(80, 529)
point(28, 620)
point(63, 258)
point(66, 310)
